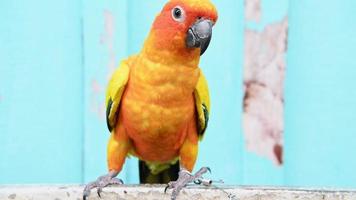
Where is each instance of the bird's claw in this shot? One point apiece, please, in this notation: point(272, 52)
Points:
point(98, 191)
point(100, 183)
point(166, 188)
point(184, 178)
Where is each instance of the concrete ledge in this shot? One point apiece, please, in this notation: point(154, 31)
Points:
point(155, 192)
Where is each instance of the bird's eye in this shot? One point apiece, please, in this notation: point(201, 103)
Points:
point(178, 14)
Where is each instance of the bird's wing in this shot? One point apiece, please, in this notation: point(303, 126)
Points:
point(114, 93)
point(202, 104)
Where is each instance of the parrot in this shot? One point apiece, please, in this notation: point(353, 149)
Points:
point(157, 101)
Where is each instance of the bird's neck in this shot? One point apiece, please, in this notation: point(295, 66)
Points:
point(162, 72)
point(163, 83)
point(169, 53)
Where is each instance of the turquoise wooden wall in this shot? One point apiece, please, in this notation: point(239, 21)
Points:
point(41, 89)
point(320, 94)
point(56, 58)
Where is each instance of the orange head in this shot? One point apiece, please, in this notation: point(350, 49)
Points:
point(184, 27)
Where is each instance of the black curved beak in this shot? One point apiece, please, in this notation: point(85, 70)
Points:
point(199, 35)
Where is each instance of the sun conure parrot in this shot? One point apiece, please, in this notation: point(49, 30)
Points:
point(157, 102)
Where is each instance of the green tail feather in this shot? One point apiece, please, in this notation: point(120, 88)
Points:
point(165, 176)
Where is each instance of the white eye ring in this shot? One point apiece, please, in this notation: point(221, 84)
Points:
point(178, 14)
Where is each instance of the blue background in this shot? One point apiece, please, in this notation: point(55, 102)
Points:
point(56, 57)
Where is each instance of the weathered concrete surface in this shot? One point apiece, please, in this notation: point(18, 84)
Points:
point(155, 192)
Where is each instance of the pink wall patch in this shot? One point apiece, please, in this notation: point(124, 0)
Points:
point(97, 103)
point(108, 39)
point(253, 10)
point(264, 71)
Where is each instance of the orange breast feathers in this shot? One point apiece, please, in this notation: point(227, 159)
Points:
point(157, 107)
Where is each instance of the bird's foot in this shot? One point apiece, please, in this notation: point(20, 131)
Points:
point(184, 178)
point(100, 183)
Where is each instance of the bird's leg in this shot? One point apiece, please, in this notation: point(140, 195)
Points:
point(101, 182)
point(118, 147)
point(185, 177)
point(188, 155)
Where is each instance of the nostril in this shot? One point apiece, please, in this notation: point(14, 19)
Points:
point(199, 18)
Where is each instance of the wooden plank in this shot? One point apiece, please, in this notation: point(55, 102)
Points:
point(41, 92)
point(320, 94)
point(105, 44)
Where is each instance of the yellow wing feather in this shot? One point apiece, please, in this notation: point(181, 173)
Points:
point(116, 88)
point(202, 104)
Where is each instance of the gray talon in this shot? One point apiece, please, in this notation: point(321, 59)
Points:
point(116, 181)
point(184, 178)
point(100, 183)
point(165, 189)
point(98, 191)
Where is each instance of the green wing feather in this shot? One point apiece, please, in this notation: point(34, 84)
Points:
point(202, 104)
point(114, 93)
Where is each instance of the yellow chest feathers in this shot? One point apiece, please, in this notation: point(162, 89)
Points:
point(159, 97)
point(161, 83)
